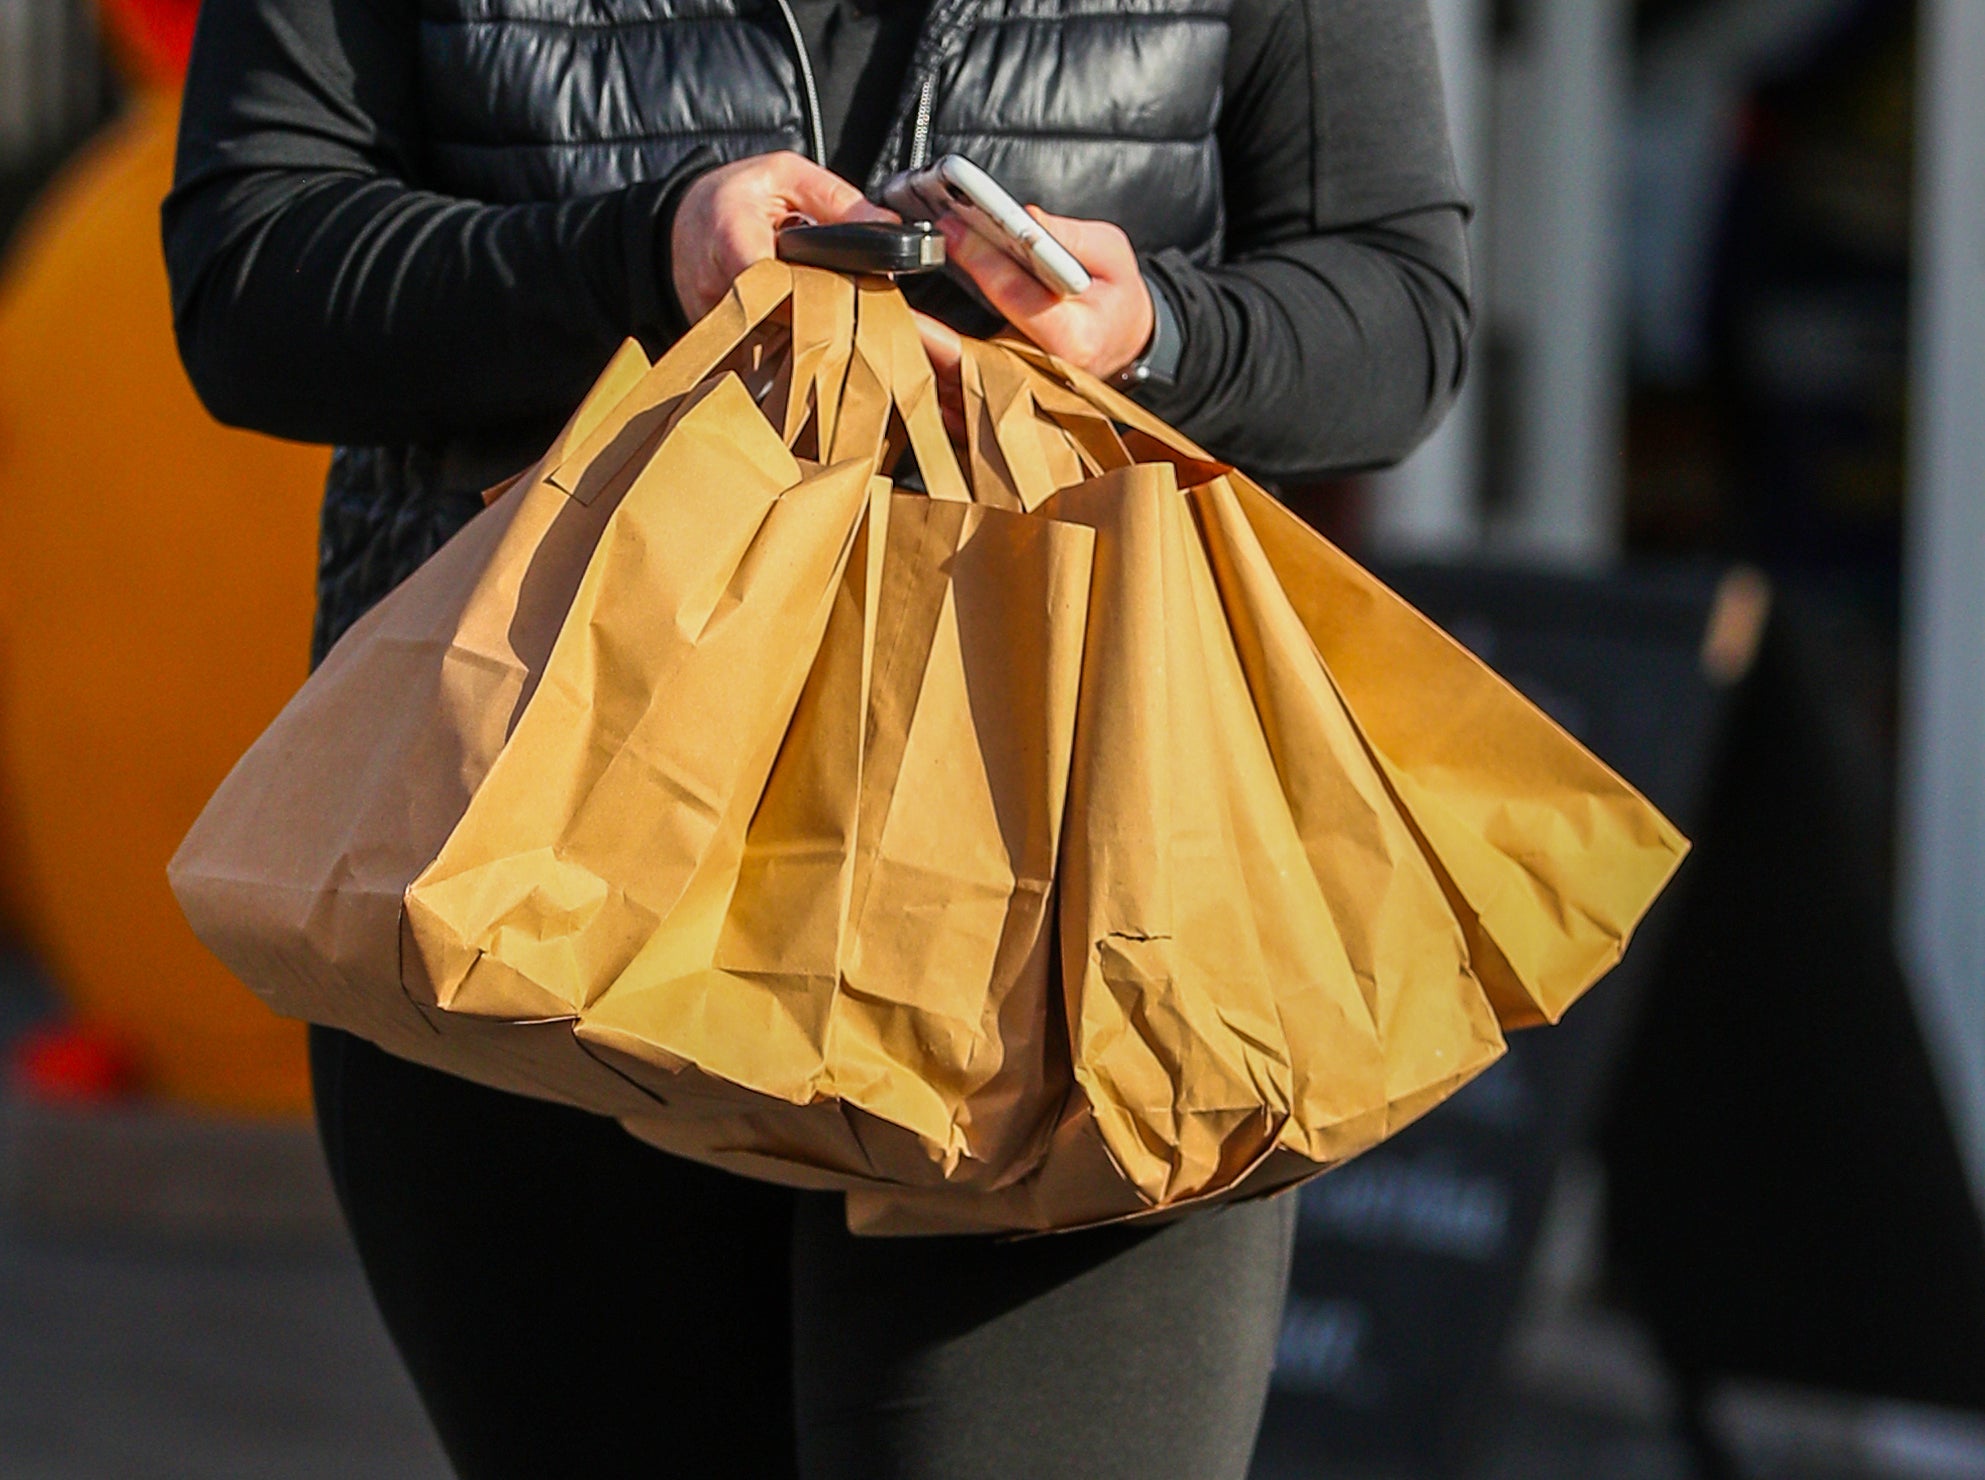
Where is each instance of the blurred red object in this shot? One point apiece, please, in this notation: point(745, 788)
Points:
point(152, 37)
point(73, 1063)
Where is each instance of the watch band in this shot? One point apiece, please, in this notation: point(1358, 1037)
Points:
point(1159, 364)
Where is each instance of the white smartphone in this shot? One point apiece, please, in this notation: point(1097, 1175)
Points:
point(953, 186)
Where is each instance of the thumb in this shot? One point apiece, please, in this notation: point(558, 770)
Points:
point(1089, 242)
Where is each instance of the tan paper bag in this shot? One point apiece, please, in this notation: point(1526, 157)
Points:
point(886, 949)
point(875, 942)
point(692, 911)
point(1077, 840)
point(1233, 687)
point(298, 873)
point(1549, 858)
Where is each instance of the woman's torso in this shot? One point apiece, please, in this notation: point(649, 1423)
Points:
point(1089, 107)
point(1093, 108)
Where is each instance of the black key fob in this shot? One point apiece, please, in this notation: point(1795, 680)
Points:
point(880, 248)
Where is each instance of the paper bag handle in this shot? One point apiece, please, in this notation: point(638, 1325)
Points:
point(602, 456)
point(1029, 436)
point(817, 366)
point(1076, 393)
point(889, 371)
point(1034, 424)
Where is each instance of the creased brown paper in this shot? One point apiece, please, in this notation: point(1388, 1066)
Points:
point(1081, 839)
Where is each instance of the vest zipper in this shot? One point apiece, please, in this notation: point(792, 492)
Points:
point(920, 135)
point(816, 133)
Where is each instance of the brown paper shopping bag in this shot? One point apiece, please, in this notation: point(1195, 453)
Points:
point(621, 798)
point(1212, 1005)
point(1548, 857)
point(295, 873)
point(883, 970)
point(1437, 1024)
point(1076, 839)
point(766, 834)
point(298, 872)
point(885, 953)
point(1378, 920)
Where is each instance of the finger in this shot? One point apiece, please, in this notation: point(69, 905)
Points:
point(941, 343)
point(861, 208)
point(825, 196)
point(1069, 229)
point(1097, 245)
point(1072, 232)
point(946, 354)
point(1008, 286)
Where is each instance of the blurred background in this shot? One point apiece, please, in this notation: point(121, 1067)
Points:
point(1715, 498)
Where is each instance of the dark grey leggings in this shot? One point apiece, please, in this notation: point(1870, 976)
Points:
point(570, 1302)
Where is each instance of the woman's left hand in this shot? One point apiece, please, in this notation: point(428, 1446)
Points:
point(1101, 330)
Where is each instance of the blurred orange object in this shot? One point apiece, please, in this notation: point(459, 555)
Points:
point(73, 1063)
point(155, 597)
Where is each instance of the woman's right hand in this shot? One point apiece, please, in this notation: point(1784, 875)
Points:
point(728, 219)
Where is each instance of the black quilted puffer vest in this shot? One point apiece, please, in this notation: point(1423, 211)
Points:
point(1096, 108)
